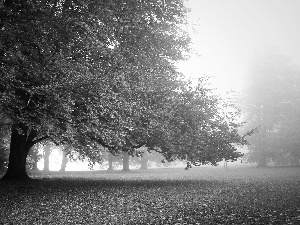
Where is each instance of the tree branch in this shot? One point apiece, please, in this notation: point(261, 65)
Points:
point(139, 145)
point(100, 141)
point(40, 139)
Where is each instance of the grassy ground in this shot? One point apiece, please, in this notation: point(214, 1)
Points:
point(157, 196)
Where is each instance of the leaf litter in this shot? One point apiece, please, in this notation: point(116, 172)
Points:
point(158, 196)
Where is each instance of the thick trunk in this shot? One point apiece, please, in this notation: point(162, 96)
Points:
point(110, 162)
point(125, 161)
point(19, 148)
point(144, 162)
point(64, 162)
point(47, 153)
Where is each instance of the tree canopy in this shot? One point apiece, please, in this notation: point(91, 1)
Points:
point(89, 73)
point(270, 102)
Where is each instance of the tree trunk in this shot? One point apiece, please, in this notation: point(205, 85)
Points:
point(225, 163)
point(35, 158)
point(19, 148)
point(64, 161)
point(47, 153)
point(295, 161)
point(34, 153)
point(262, 159)
point(144, 162)
point(294, 158)
point(110, 161)
point(125, 161)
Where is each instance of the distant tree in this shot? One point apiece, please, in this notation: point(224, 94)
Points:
point(46, 155)
point(148, 158)
point(285, 138)
point(126, 161)
point(110, 161)
point(271, 103)
point(65, 152)
point(144, 162)
point(144, 158)
point(33, 157)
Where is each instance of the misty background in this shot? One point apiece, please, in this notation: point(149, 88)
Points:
point(252, 48)
point(227, 36)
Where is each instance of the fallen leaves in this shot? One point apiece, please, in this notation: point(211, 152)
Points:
point(168, 196)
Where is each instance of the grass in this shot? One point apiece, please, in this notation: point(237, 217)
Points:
point(157, 196)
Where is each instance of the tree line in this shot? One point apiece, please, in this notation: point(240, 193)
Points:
point(44, 153)
point(91, 74)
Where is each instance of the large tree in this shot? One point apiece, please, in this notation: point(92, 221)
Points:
point(90, 73)
point(78, 72)
point(271, 103)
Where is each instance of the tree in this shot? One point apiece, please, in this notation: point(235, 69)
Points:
point(198, 129)
point(65, 152)
point(284, 139)
point(110, 162)
point(33, 157)
point(125, 159)
point(103, 73)
point(77, 72)
point(270, 102)
point(47, 152)
point(191, 125)
point(147, 158)
point(144, 159)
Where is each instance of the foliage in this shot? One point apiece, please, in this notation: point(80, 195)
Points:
point(158, 196)
point(270, 102)
point(102, 73)
point(87, 75)
point(78, 72)
point(198, 128)
point(33, 157)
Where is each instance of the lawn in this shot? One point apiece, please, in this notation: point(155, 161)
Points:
point(157, 196)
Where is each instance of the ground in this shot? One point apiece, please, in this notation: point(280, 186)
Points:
point(156, 196)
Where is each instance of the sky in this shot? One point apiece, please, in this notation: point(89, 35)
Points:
point(226, 34)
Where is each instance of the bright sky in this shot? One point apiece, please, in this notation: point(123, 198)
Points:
point(227, 33)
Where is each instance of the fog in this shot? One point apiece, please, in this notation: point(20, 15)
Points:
point(252, 47)
point(228, 34)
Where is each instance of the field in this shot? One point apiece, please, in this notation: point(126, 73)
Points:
point(157, 196)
